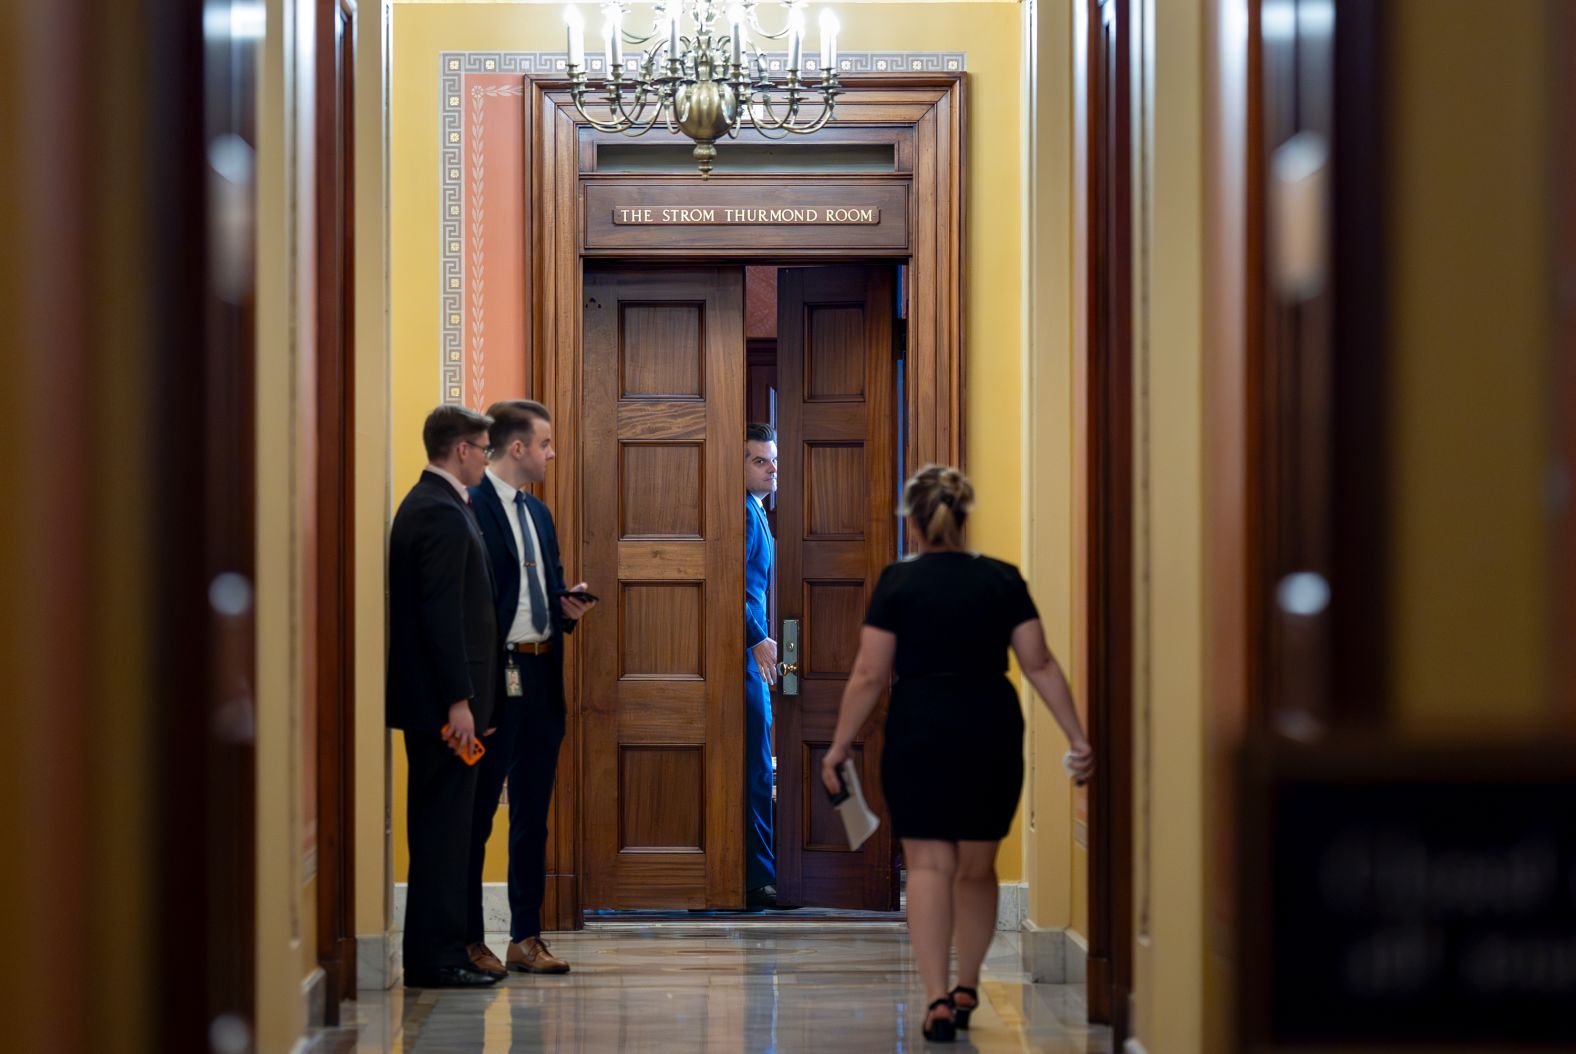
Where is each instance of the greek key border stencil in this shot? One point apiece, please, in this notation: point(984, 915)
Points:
point(460, 178)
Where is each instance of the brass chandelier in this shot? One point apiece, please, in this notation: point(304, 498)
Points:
point(702, 79)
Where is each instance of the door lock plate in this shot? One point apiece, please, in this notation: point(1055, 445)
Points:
point(788, 668)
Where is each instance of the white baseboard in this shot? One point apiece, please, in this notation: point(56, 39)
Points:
point(1077, 958)
point(495, 908)
point(1043, 953)
point(314, 997)
point(377, 961)
point(1053, 956)
point(1012, 906)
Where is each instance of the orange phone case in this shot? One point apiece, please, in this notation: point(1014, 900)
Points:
point(474, 756)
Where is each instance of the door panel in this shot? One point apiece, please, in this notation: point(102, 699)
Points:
point(664, 459)
point(837, 528)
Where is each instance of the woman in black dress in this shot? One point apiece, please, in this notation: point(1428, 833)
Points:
point(952, 766)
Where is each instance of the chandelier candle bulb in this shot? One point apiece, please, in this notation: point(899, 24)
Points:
point(828, 40)
point(736, 31)
point(795, 39)
point(673, 36)
point(613, 44)
point(576, 29)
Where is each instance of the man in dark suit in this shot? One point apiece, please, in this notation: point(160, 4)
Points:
point(533, 616)
point(442, 670)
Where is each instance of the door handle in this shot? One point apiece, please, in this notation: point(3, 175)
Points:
point(788, 669)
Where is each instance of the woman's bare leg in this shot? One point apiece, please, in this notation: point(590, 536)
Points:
point(932, 866)
point(973, 909)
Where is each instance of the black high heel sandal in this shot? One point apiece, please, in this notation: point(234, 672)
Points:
point(960, 1014)
point(942, 1029)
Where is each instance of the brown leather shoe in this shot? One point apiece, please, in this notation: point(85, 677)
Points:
point(484, 960)
point(531, 956)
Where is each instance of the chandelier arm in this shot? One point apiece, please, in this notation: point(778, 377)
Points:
point(820, 122)
point(620, 112)
point(639, 41)
point(670, 106)
point(770, 133)
point(771, 119)
point(640, 103)
point(755, 24)
point(788, 125)
point(599, 125)
point(633, 130)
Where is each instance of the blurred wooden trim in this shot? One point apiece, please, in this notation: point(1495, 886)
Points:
point(1564, 187)
point(335, 534)
point(1109, 475)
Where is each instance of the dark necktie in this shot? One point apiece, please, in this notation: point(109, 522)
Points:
point(528, 557)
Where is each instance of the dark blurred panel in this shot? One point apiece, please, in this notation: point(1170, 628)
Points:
point(43, 609)
point(125, 412)
point(1397, 896)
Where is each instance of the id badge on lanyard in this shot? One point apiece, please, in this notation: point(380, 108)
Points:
point(511, 679)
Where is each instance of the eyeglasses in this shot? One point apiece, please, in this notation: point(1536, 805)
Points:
point(486, 450)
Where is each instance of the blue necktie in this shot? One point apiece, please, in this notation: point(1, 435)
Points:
point(528, 558)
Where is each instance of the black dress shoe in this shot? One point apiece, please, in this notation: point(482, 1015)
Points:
point(449, 977)
point(765, 897)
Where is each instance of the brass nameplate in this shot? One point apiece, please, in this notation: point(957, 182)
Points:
point(739, 216)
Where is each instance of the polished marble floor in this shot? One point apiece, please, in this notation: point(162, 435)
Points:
point(719, 987)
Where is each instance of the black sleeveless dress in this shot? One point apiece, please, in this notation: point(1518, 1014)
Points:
point(952, 766)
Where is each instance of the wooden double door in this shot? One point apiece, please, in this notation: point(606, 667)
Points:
point(662, 689)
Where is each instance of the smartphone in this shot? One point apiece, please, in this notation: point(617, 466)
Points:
point(842, 794)
point(470, 757)
point(580, 595)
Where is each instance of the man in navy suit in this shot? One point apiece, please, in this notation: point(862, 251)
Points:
point(760, 668)
point(533, 617)
point(442, 668)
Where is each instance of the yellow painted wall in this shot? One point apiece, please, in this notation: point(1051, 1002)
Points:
point(285, 915)
point(1169, 723)
point(1055, 865)
point(372, 466)
point(1471, 316)
point(990, 35)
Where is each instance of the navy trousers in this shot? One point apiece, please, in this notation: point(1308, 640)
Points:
point(525, 751)
point(438, 807)
point(760, 864)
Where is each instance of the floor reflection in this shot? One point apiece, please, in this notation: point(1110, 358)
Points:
point(719, 988)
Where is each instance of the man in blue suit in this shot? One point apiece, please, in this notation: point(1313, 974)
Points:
point(534, 615)
point(760, 668)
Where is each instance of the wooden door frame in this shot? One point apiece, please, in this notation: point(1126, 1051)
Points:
point(929, 109)
point(1108, 473)
point(335, 580)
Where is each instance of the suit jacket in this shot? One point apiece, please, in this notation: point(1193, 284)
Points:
point(493, 517)
point(443, 627)
point(759, 552)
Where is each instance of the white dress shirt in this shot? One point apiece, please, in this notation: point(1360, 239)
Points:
point(459, 488)
point(521, 631)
